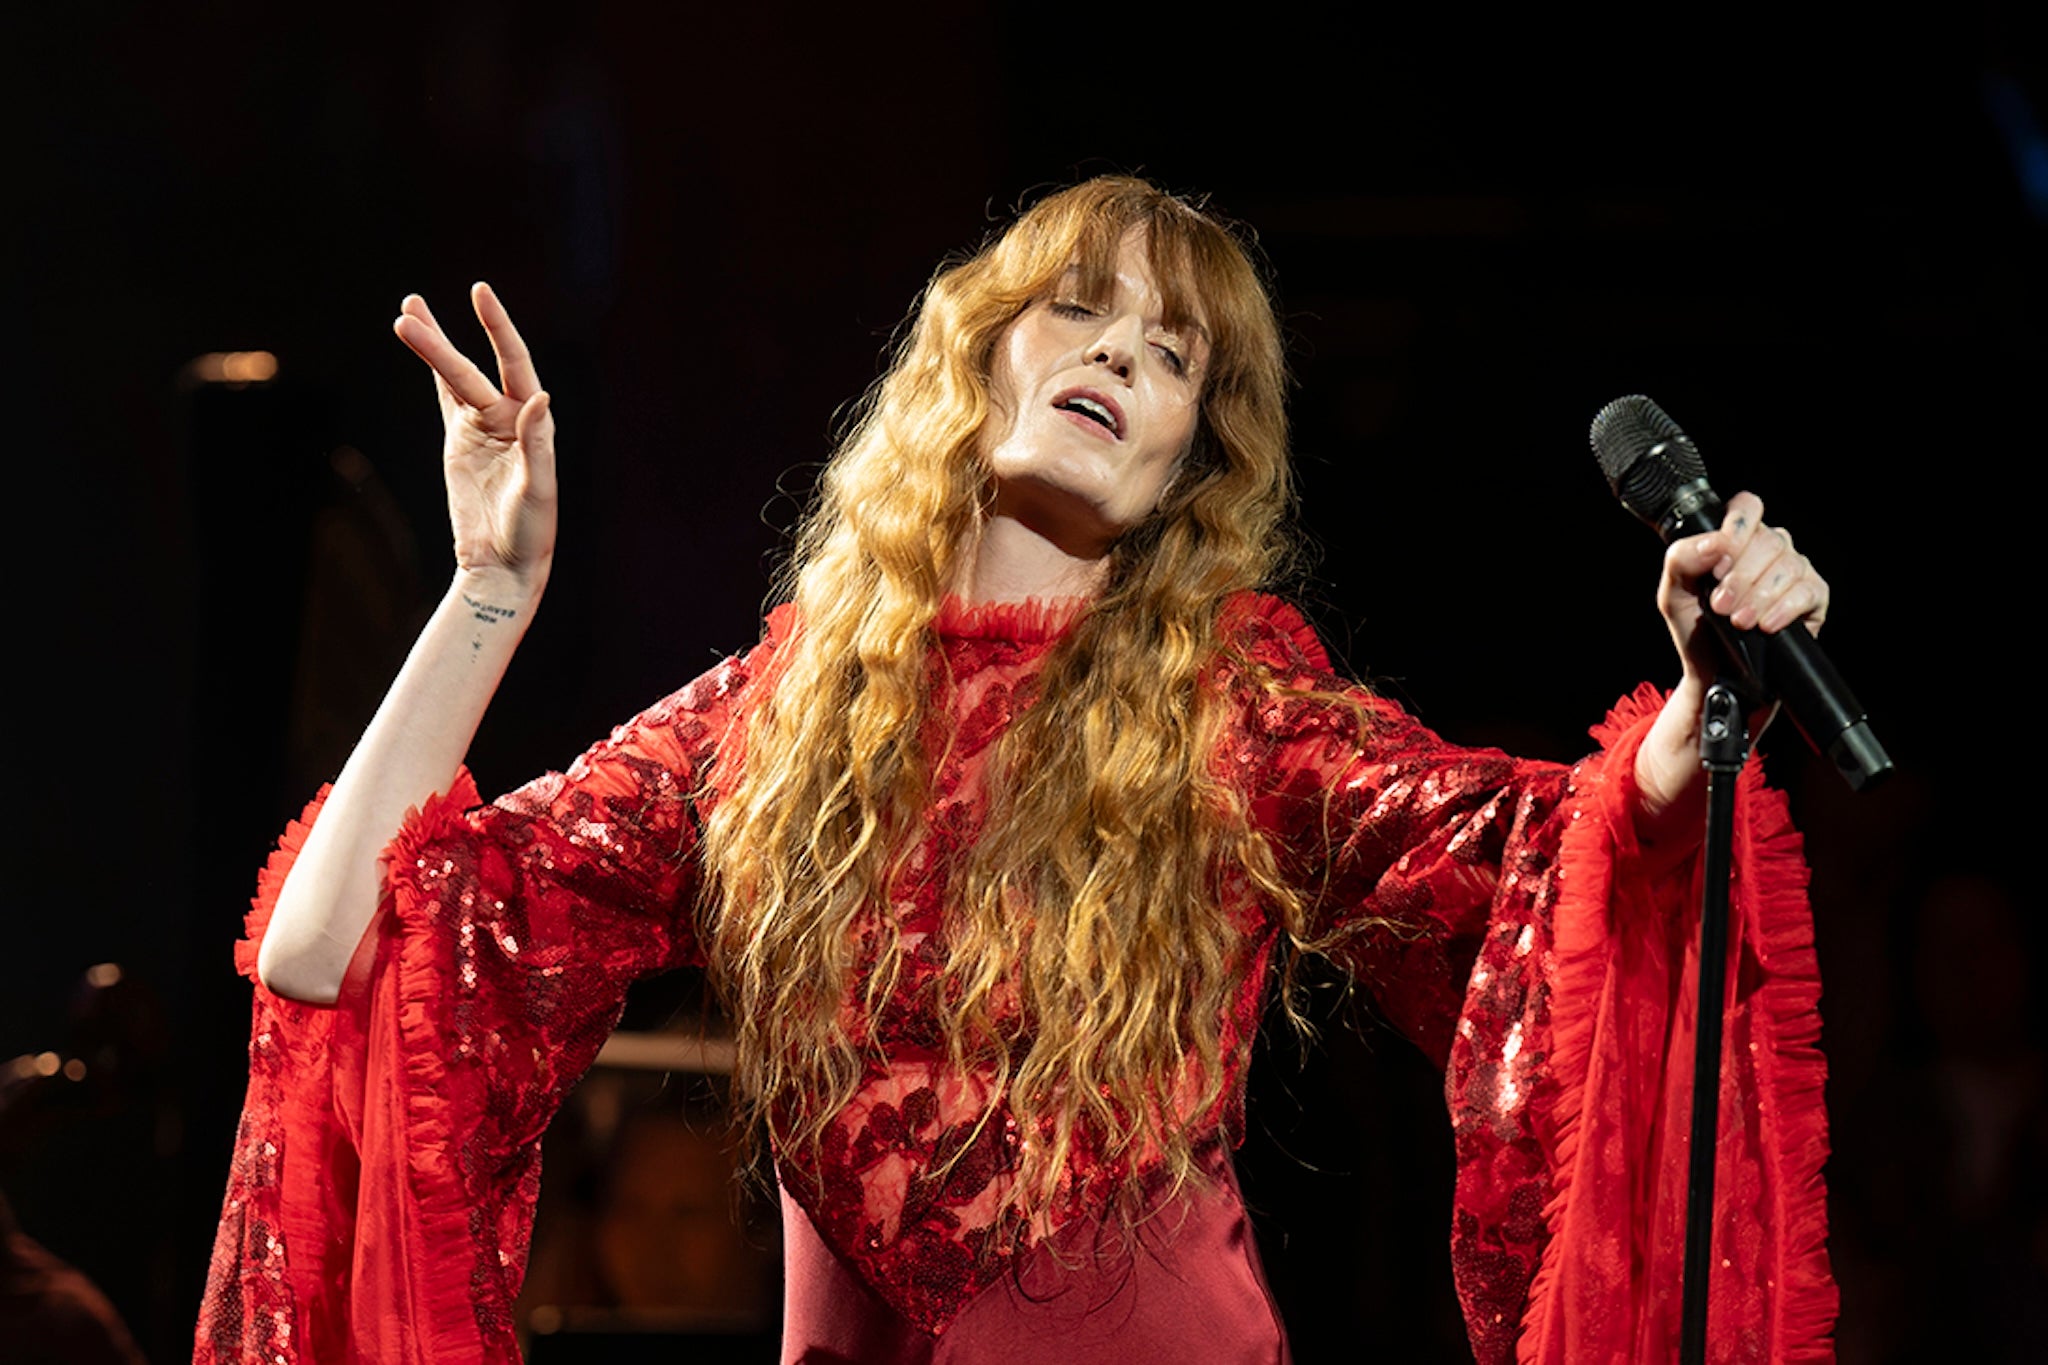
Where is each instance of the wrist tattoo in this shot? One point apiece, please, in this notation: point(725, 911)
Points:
point(486, 613)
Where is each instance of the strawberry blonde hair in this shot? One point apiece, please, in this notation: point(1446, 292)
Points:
point(1093, 892)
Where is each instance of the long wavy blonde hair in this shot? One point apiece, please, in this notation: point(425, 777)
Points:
point(1092, 894)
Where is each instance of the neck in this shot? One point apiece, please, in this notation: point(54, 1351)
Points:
point(1011, 562)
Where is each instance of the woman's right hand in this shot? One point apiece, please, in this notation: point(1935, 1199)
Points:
point(499, 454)
point(500, 467)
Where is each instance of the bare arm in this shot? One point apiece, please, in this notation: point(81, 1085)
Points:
point(499, 464)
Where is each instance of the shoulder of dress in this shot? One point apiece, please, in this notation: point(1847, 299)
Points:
point(781, 625)
point(710, 699)
point(1272, 631)
point(1303, 697)
point(720, 684)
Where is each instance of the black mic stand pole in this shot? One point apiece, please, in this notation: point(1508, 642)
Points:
point(1724, 748)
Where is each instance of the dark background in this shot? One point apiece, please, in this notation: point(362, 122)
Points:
point(1818, 243)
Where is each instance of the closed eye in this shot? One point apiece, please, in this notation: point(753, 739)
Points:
point(1075, 311)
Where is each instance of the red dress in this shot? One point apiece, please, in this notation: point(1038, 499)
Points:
point(381, 1194)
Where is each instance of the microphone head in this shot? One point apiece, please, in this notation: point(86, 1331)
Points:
point(1645, 457)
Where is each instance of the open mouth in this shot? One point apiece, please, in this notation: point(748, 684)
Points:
point(1100, 411)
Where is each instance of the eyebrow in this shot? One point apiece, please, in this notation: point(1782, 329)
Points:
point(1073, 284)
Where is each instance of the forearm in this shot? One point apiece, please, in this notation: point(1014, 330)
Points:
point(1670, 788)
point(1671, 783)
point(410, 751)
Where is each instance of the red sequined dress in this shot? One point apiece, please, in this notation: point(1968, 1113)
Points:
point(381, 1194)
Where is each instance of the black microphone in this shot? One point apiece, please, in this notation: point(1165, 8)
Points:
point(1656, 471)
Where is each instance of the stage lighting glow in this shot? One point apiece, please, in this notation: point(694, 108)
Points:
point(102, 974)
point(235, 369)
point(251, 367)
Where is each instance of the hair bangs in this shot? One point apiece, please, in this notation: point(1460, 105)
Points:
point(1203, 278)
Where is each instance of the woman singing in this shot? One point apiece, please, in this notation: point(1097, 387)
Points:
point(993, 846)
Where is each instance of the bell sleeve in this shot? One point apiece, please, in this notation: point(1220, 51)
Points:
point(1503, 916)
point(380, 1197)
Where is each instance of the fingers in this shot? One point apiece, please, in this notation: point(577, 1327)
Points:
point(515, 362)
point(535, 429)
point(1764, 582)
point(415, 306)
point(1771, 585)
point(416, 327)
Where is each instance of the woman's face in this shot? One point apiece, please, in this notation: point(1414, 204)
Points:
point(1094, 408)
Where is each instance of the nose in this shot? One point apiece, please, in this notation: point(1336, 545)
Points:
point(1116, 347)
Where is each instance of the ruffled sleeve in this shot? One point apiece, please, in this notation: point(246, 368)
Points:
point(380, 1199)
point(1504, 918)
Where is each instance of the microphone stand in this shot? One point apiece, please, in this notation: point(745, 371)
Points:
point(1724, 748)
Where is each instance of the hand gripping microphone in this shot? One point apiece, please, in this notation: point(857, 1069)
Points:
point(1656, 471)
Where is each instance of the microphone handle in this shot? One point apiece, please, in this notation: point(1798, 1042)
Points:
point(1788, 665)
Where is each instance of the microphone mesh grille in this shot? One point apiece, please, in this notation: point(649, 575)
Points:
point(1625, 432)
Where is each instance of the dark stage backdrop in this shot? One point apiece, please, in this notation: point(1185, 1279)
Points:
point(1818, 244)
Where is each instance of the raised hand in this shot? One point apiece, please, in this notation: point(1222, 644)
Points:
point(499, 461)
point(1761, 583)
point(498, 457)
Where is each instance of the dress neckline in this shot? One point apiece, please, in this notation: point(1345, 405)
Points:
point(1036, 620)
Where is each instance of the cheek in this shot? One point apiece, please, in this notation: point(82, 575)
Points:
point(1149, 486)
point(1176, 453)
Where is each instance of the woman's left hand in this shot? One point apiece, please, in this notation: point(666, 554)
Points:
point(1763, 583)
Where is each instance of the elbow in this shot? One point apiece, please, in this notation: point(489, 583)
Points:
point(292, 976)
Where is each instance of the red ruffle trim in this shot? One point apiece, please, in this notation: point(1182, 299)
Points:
point(413, 1245)
point(1033, 621)
point(1248, 614)
point(262, 1302)
point(1789, 1016)
point(270, 881)
point(1776, 922)
point(1585, 877)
